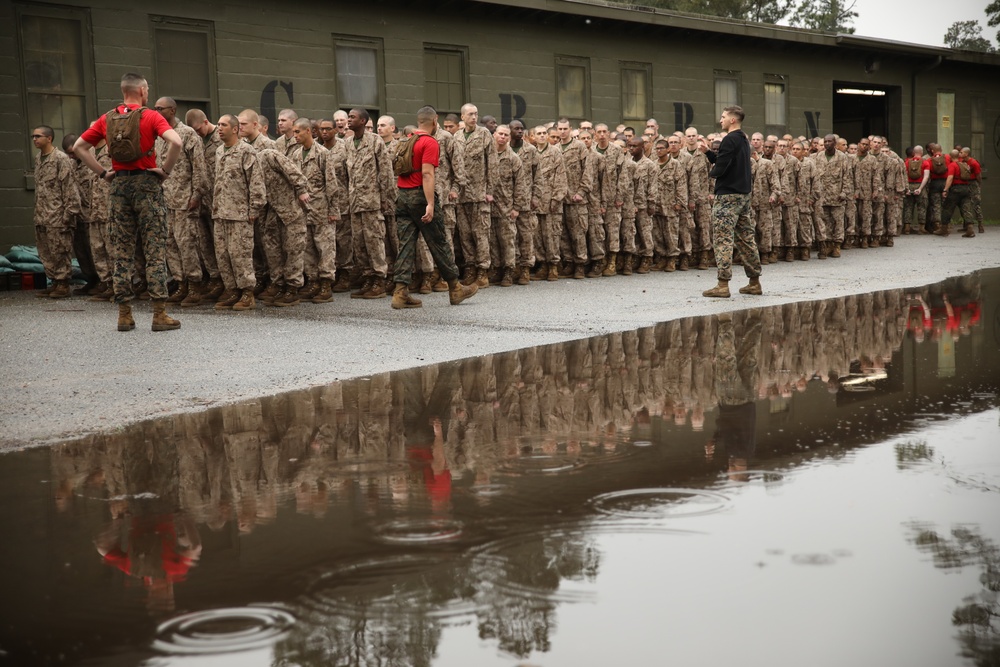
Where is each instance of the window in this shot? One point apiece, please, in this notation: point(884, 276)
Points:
point(445, 82)
point(775, 104)
point(358, 63)
point(184, 61)
point(573, 87)
point(978, 128)
point(636, 95)
point(727, 91)
point(57, 71)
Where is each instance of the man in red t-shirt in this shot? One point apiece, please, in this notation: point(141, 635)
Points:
point(958, 195)
point(137, 205)
point(418, 212)
point(976, 186)
point(935, 186)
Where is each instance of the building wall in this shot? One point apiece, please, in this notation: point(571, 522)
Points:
point(261, 47)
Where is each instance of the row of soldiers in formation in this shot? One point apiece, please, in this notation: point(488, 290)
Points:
point(578, 398)
point(569, 202)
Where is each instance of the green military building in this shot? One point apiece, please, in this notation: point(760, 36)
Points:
point(528, 59)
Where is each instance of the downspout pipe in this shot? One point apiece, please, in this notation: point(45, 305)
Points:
point(913, 95)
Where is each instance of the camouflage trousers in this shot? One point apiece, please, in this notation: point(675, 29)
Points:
point(234, 246)
point(806, 225)
point(81, 248)
point(100, 241)
point(790, 226)
point(183, 260)
point(345, 243)
point(55, 250)
point(320, 259)
point(828, 221)
point(627, 235)
point(503, 233)
point(764, 225)
point(671, 235)
point(425, 261)
point(732, 226)
point(613, 227)
point(977, 200)
point(596, 239)
point(935, 199)
point(368, 236)
point(527, 227)
point(137, 211)
point(864, 212)
point(959, 198)
point(643, 233)
point(701, 232)
point(391, 242)
point(260, 268)
point(893, 214)
point(573, 242)
point(410, 207)
point(285, 246)
point(914, 207)
point(549, 234)
point(851, 218)
point(206, 242)
point(474, 233)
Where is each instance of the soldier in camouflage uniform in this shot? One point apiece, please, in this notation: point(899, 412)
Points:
point(671, 238)
point(895, 186)
point(284, 226)
point(237, 203)
point(644, 185)
point(552, 189)
point(336, 165)
point(81, 234)
point(211, 142)
point(286, 143)
point(57, 206)
point(807, 200)
point(867, 190)
point(698, 195)
point(626, 190)
point(511, 196)
point(253, 131)
point(790, 201)
point(250, 130)
point(608, 176)
point(370, 188)
point(183, 193)
point(479, 159)
point(100, 239)
point(322, 213)
point(575, 217)
point(596, 239)
point(766, 192)
point(527, 221)
point(831, 185)
point(386, 128)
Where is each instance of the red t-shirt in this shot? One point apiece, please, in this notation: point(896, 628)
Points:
point(939, 177)
point(974, 166)
point(151, 125)
point(954, 172)
point(424, 152)
point(925, 165)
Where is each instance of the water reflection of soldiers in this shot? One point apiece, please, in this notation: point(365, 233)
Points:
point(736, 377)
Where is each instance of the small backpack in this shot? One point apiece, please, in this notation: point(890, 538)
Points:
point(939, 166)
point(913, 169)
point(964, 171)
point(402, 165)
point(122, 132)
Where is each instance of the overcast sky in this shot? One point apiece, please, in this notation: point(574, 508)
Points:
point(918, 21)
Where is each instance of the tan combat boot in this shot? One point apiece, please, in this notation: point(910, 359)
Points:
point(790, 254)
point(596, 268)
point(246, 302)
point(179, 294)
point(125, 321)
point(752, 288)
point(821, 253)
point(804, 253)
point(401, 298)
point(360, 292)
point(469, 275)
point(325, 292)
point(507, 278)
point(227, 299)
point(834, 249)
point(483, 278)
point(644, 265)
point(720, 291)
point(106, 293)
point(376, 289)
point(61, 290)
point(683, 266)
point(671, 265)
point(542, 273)
point(343, 282)
point(310, 289)
point(457, 292)
point(438, 284)
point(290, 297)
point(193, 297)
point(213, 290)
point(427, 283)
point(271, 293)
point(703, 261)
point(579, 272)
point(626, 263)
point(610, 265)
point(553, 274)
point(968, 232)
point(162, 321)
point(523, 275)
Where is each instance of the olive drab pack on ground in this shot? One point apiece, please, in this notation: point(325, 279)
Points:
point(964, 171)
point(402, 165)
point(122, 132)
point(913, 169)
point(939, 166)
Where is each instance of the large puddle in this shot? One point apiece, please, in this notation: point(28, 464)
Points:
point(810, 484)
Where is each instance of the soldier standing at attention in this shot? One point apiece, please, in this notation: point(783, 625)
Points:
point(137, 205)
point(731, 212)
point(479, 157)
point(369, 175)
point(832, 187)
point(575, 214)
point(284, 226)
point(552, 189)
point(251, 132)
point(419, 212)
point(211, 142)
point(57, 206)
point(328, 134)
point(322, 212)
point(386, 128)
point(596, 240)
point(183, 193)
point(527, 222)
point(510, 199)
point(644, 185)
point(238, 201)
point(609, 176)
point(285, 143)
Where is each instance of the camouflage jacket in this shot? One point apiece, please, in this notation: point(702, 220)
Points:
point(212, 144)
point(697, 173)
point(671, 187)
point(284, 183)
point(831, 179)
point(790, 179)
point(593, 167)
point(336, 166)
point(240, 194)
point(551, 177)
point(577, 177)
point(765, 182)
point(479, 157)
point(867, 177)
point(369, 174)
point(644, 185)
point(529, 158)
point(324, 192)
point(286, 145)
point(512, 190)
point(449, 177)
point(609, 175)
point(100, 190)
point(189, 177)
point(57, 196)
point(85, 178)
point(262, 141)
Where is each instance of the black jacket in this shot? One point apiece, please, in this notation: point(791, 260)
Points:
point(731, 169)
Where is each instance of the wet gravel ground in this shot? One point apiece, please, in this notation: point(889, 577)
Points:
point(66, 371)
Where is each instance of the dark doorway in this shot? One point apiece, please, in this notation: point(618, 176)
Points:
point(861, 109)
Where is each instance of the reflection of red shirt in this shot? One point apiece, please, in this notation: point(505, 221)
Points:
point(151, 125)
point(424, 152)
point(973, 310)
point(438, 485)
point(175, 566)
point(925, 318)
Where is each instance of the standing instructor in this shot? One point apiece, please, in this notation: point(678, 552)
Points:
point(731, 222)
point(137, 205)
